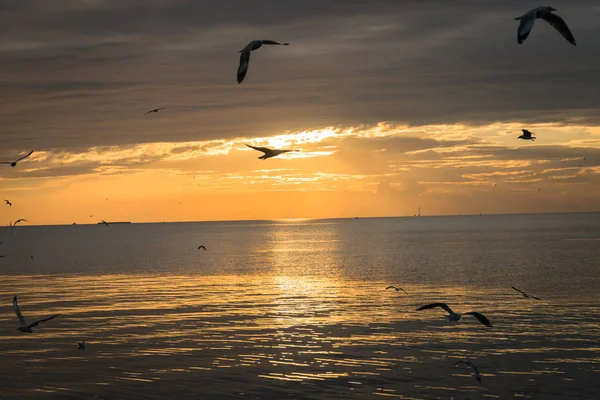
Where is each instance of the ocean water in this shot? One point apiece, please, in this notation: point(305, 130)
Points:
point(298, 309)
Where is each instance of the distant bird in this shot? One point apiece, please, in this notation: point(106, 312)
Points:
point(81, 346)
point(14, 163)
point(2, 256)
point(456, 316)
point(155, 110)
point(544, 13)
point(269, 152)
point(245, 56)
point(104, 222)
point(526, 135)
point(527, 296)
point(396, 288)
point(472, 365)
point(201, 247)
point(32, 257)
point(19, 220)
point(24, 327)
point(9, 203)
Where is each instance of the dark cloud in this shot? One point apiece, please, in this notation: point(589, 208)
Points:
point(79, 73)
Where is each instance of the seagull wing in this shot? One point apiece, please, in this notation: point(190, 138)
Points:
point(520, 291)
point(201, 247)
point(434, 305)
point(404, 291)
point(18, 311)
point(25, 156)
point(560, 25)
point(273, 42)
point(263, 149)
point(19, 220)
point(390, 287)
point(525, 27)
point(6, 162)
point(244, 64)
point(479, 317)
point(536, 298)
point(42, 320)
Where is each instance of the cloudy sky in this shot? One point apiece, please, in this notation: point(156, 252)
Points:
point(394, 104)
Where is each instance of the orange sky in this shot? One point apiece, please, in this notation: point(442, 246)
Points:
point(380, 170)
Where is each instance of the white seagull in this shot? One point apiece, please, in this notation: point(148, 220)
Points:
point(269, 152)
point(456, 316)
point(544, 13)
point(14, 163)
point(245, 56)
point(527, 296)
point(470, 364)
point(526, 135)
point(25, 327)
point(396, 288)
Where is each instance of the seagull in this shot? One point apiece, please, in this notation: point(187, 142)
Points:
point(155, 110)
point(397, 289)
point(269, 152)
point(14, 163)
point(24, 327)
point(470, 364)
point(81, 345)
point(245, 56)
point(456, 316)
point(9, 203)
point(104, 222)
point(201, 247)
point(527, 296)
point(544, 13)
point(526, 135)
point(19, 220)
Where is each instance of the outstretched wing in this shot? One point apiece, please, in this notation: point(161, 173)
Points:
point(263, 149)
point(536, 298)
point(433, 305)
point(273, 42)
point(201, 247)
point(520, 291)
point(480, 317)
point(525, 27)
point(18, 311)
point(244, 64)
point(404, 291)
point(25, 156)
point(560, 25)
point(19, 220)
point(42, 320)
point(390, 287)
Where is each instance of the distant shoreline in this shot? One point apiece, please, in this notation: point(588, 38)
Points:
point(300, 220)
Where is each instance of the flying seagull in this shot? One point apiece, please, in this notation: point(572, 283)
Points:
point(201, 247)
point(19, 220)
point(245, 56)
point(14, 163)
point(24, 327)
point(269, 152)
point(155, 110)
point(9, 203)
point(470, 364)
point(544, 13)
point(397, 289)
point(104, 222)
point(526, 135)
point(527, 296)
point(81, 345)
point(456, 316)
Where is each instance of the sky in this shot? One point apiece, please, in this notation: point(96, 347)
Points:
point(393, 104)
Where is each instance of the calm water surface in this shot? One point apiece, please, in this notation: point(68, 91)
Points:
point(297, 309)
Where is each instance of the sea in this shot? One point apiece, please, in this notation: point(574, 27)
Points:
point(298, 309)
